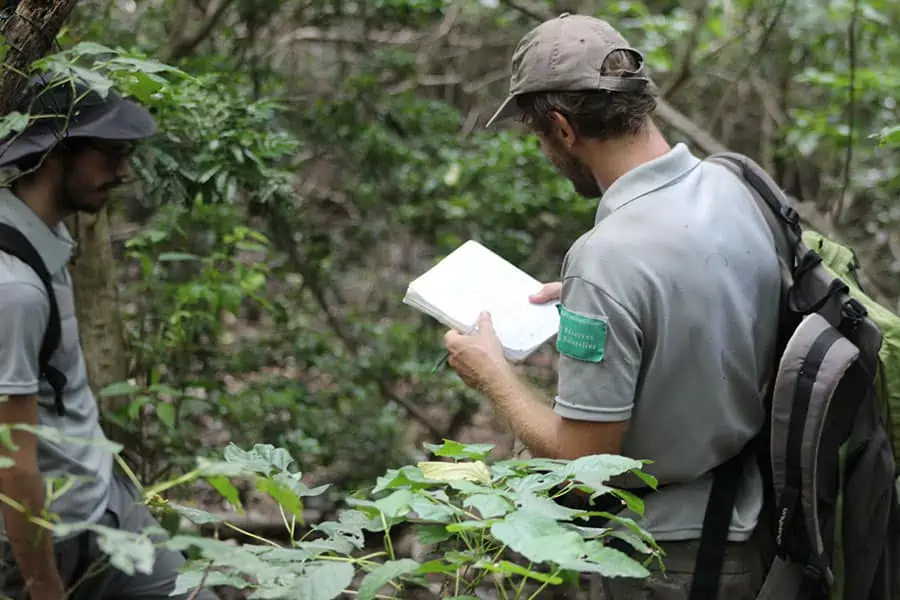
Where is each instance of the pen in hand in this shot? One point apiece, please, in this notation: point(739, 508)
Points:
point(443, 360)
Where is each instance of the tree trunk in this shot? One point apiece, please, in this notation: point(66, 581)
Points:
point(97, 307)
point(28, 35)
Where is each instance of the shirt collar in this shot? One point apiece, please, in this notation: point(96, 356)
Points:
point(55, 247)
point(658, 173)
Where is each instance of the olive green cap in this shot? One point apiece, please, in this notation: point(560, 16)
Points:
point(566, 54)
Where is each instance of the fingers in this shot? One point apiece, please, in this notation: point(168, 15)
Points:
point(484, 322)
point(548, 293)
point(450, 337)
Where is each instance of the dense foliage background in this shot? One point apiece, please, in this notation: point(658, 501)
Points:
point(316, 155)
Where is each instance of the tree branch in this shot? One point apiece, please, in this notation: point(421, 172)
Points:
point(186, 45)
point(683, 72)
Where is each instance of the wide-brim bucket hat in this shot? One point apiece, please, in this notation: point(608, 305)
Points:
point(61, 107)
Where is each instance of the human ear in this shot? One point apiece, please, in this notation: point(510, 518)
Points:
point(563, 130)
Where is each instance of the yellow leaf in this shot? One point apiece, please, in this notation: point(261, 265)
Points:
point(447, 471)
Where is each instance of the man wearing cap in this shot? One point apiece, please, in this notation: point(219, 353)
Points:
point(68, 159)
point(668, 305)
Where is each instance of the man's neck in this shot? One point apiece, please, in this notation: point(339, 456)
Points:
point(611, 159)
point(37, 198)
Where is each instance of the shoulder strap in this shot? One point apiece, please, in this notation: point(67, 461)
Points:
point(783, 219)
point(13, 242)
point(784, 224)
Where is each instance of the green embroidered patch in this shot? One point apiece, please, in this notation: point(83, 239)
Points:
point(581, 337)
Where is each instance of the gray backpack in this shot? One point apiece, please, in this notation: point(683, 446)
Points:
point(831, 521)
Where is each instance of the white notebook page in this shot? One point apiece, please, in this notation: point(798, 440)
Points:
point(472, 279)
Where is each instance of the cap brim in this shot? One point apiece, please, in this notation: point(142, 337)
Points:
point(509, 109)
point(126, 120)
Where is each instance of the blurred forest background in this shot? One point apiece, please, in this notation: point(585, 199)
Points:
point(319, 154)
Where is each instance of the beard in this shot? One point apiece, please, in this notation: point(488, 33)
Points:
point(74, 198)
point(574, 170)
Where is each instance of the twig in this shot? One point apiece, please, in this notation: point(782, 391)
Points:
point(202, 583)
point(525, 11)
point(683, 72)
point(837, 209)
point(185, 46)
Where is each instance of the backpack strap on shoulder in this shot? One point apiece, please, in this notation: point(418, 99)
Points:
point(13, 242)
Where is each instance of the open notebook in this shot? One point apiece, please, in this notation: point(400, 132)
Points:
point(472, 279)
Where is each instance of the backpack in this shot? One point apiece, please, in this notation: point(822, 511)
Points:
point(14, 243)
point(830, 525)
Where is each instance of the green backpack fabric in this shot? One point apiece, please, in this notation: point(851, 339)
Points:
point(843, 263)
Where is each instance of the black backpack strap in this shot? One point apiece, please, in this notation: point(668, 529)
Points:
point(716, 523)
point(784, 223)
point(13, 242)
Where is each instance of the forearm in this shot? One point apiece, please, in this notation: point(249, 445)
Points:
point(529, 415)
point(31, 544)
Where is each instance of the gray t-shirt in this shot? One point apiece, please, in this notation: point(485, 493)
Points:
point(669, 315)
point(24, 312)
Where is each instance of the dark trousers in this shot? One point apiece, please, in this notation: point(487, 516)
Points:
point(86, 570)
point(741, 579)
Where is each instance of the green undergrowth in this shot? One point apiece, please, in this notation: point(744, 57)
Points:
point(478, 524)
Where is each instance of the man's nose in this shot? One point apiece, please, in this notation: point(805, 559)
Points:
point(124, 171)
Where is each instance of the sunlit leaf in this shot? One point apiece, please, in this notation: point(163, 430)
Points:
point(446, 471)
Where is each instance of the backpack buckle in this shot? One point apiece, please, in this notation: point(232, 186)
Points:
point(790, 215)
point(853, 311)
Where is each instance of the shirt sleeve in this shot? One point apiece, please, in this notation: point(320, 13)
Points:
point(600, 346)
point(24, 311)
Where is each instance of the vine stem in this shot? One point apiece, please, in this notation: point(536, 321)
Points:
point(523, 582)
point(387, 537)
point(543, 585)
point(379, 596)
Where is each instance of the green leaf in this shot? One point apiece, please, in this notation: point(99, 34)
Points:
point(13, 122)
point(130, 552)
point(382, 575)
point(262, 458)
point(226, 488)
point(195, 515)
point(890, 135)
point(432, 534)
point(326, 581)
point(606, 561)
point(538, 538)
point(166, 414)
point(546, 507)
point(430, 510)
point(189, 580)
point(488, 505)
point(451, 449)
point(407, 476)
point(596, 470)
point(395, 505)
point(284, 496)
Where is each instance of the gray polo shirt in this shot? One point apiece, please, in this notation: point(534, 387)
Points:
point(669, 313)
point(24, 312)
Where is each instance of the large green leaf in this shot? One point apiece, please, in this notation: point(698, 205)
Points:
point(538, 537)
point(381, 575)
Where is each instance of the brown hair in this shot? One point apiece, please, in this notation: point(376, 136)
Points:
point(598, 114)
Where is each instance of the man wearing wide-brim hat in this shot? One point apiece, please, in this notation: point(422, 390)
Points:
point(68, 159)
